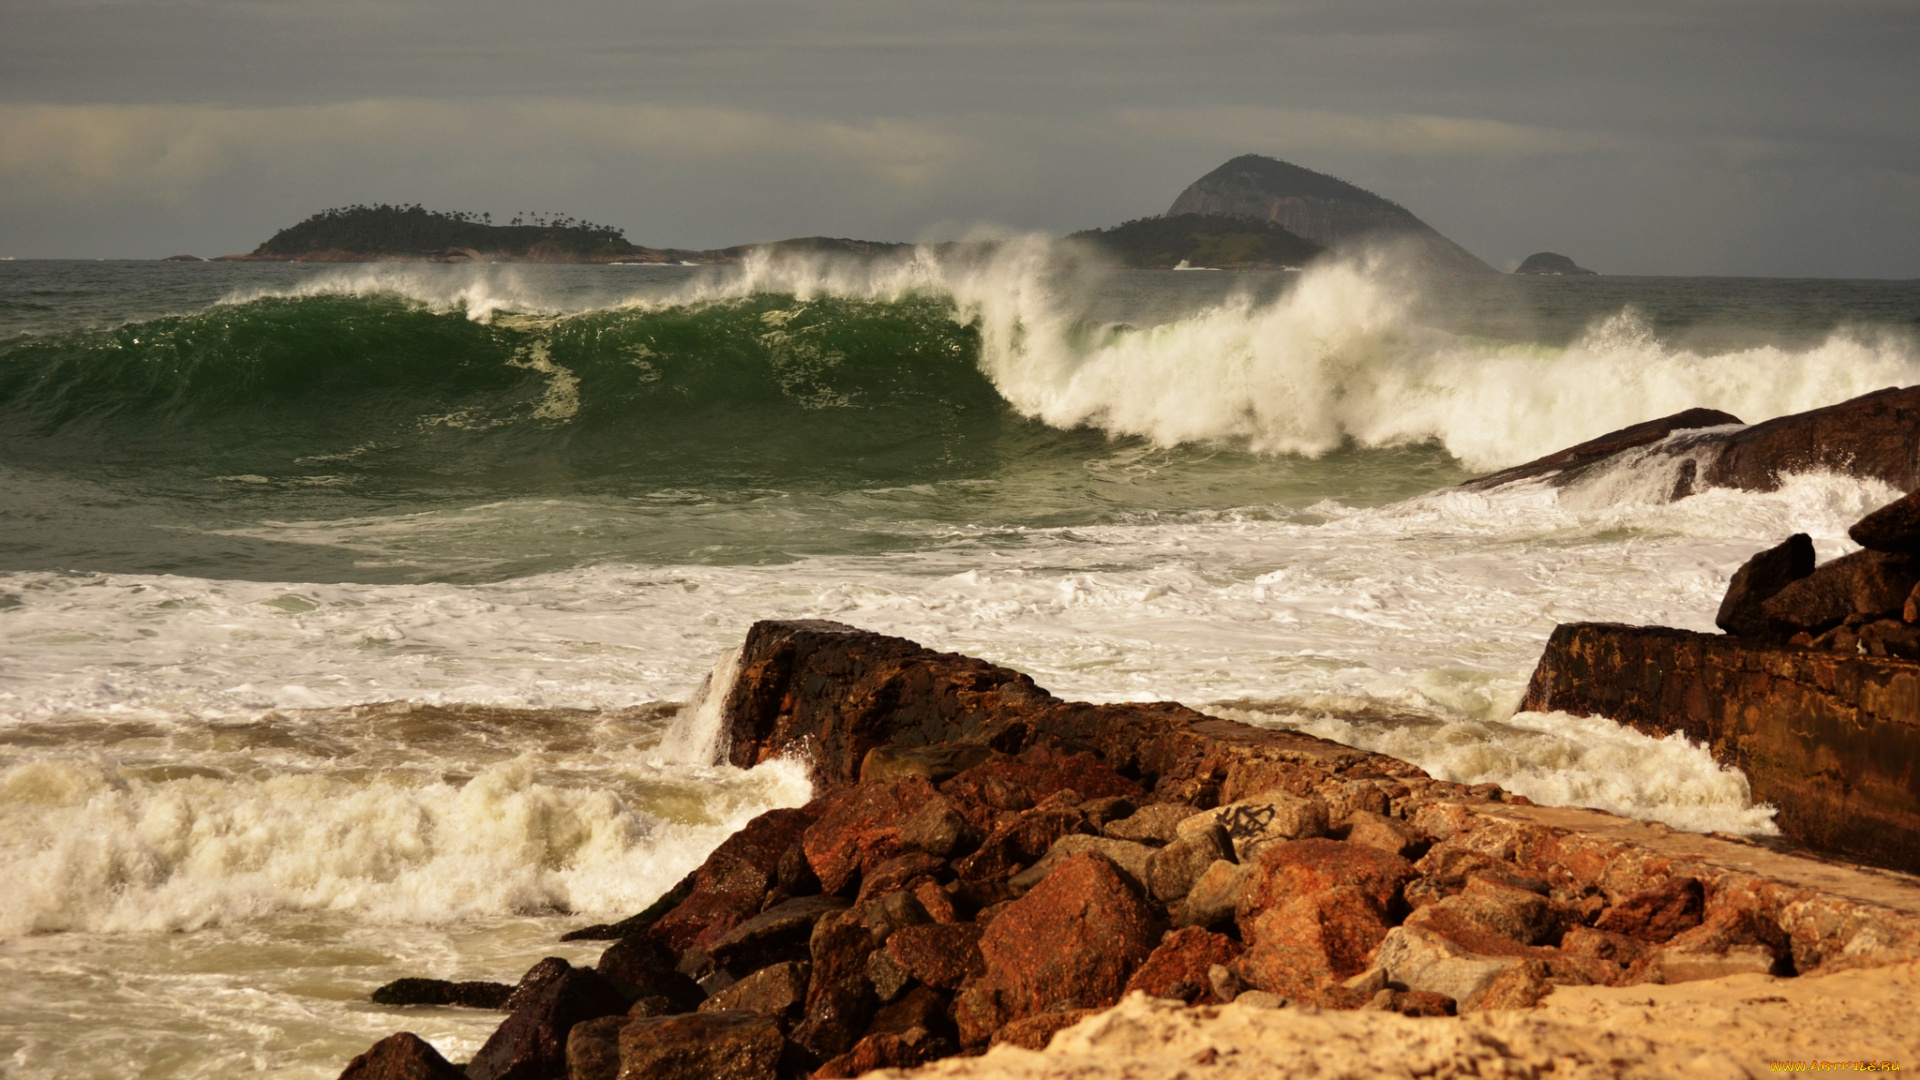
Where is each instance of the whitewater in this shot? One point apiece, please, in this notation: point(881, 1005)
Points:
point(356, 620)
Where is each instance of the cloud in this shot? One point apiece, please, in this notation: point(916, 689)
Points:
point(1395, 134)
point(79, 155)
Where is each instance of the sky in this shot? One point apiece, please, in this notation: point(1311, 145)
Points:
point(1743, 137)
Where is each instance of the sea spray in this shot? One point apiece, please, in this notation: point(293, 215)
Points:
point(698, 735)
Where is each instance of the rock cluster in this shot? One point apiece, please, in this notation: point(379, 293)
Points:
point(983, 864)
point(1866, 603)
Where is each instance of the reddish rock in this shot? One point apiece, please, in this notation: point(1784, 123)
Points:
point(1306, 867)
point(1759, 580)
point(902, 872)
point(940, 829)
point(531, 1044)
point(1600, 956)
point(731, 886)
point(931, 763)
point(1012, 784)
point(1035, 1032)
point(1889, 637)
point(1388, 834)
point(937, 902)
point(701, 1046)
point(1302, 945)
point(1656, 916)
point(1073, 942)
point(593, 1048)
point(1497, 907)
point(859, 828)
point(921, 1007)
point(1156, 823)
point(404, 1056)
point(937, 954)
point(886, 1050)
point(1179, 967)
point(1022, 839)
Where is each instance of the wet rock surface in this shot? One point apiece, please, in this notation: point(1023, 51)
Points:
point(1033, 860)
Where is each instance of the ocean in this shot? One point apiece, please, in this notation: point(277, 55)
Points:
point(353, 619)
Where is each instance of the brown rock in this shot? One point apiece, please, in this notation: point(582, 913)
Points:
point(779, 991)
point(414, 991)
point(641, 965)
point(1418, 1003)
point(1179, 968)
point(840, 1000)
point(1496, 907)
point(1875, 435)
point(1266, 819)
point(1171, 871)
point(888, 979)
point(776, 935)
point(1156, 823)
point(1759, 580)
point(1040, 771)
point(931, 763)
point(404, 1056)
point(1866, 583)
point(1073, 942)
point(938, 955)
point(1035, 1032)
point(937, 902)
point(1307, 867)
point(731, 886)
point(1657, 915)
point(1889, 637)
point(1385, 833)
point(1564, 466)
point(593, 1048)
point(701, 1046)
point(1215, 896)
point(1130, 857)
point(1419, 959)
point(531, 1044)
point(1827, 739)
point(886, 1050)
point(1022, 839)
point(1521, 986)
point(940, 829)
point(890, 912)
point(1893, 527)
point(1302, 945)
point(860, 828)
point(1601, 956)
point(902, 872)
point(634, 925)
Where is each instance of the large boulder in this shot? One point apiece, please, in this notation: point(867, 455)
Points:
point(1893, 527)
point(778, 934)
point(1759, 580)
point(404, 1056)
point(732, 885)
point(940, 955)
point(860, 827)
point(531, 1044)
point(1865, 583)
point(840, 997)
point(1072, 942)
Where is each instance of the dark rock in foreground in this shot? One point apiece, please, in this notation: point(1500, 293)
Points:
point(1874, 436)
point(404, 1056)
point(1832, 740)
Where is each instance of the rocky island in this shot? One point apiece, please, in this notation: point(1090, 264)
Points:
point(1547, 263)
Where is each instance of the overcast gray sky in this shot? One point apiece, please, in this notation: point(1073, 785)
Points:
point(1727, 137)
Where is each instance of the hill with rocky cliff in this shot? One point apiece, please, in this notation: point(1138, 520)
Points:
point(1198, 241)
point(1323, 209)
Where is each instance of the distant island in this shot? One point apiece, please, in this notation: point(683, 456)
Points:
point(1213, 241)
point(1546, 262)
point(1323, 209)
point(1252, 213)
point(383, 233)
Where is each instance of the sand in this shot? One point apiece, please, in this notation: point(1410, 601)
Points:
point(1720, 1028)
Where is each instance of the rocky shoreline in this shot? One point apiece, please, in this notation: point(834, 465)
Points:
point(983, 864)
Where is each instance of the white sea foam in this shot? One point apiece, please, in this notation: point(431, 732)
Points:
point(86, 846)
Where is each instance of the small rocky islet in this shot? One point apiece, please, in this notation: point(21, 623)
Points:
point(984, 864)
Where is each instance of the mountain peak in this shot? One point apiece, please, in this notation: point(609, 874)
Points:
point(1324, 209)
